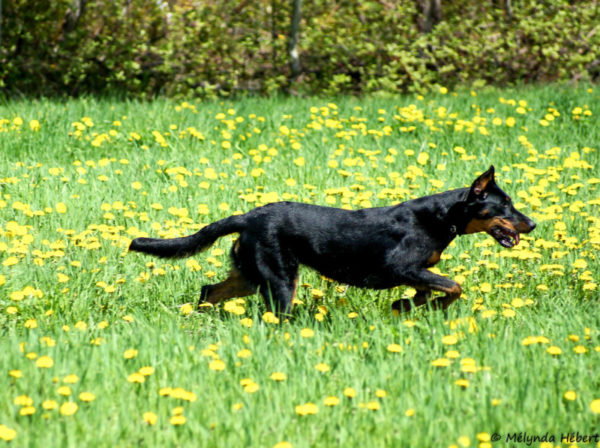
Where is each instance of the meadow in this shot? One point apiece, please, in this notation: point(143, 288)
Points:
point(101, 347)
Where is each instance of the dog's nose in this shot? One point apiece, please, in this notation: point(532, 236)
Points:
point(532, 225)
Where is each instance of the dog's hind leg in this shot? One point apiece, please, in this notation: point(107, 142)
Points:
point(270, 267)
point(234, 286)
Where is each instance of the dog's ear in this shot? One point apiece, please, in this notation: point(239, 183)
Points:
point(482, 182)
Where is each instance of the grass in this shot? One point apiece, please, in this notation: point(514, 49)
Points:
point(100, 349)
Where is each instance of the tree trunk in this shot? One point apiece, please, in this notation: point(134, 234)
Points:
point(293, 42)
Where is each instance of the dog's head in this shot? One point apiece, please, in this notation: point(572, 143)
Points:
point(489, 209)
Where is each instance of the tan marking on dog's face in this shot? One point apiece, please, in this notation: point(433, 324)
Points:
point(454, 290)
point(434, 258)
point(485, 225)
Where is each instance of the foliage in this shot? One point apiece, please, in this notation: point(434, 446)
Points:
point(208, 48)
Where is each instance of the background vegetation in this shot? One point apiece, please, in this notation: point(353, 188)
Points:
point(212, 47)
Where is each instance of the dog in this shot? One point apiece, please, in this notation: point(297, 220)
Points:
point(376, 248)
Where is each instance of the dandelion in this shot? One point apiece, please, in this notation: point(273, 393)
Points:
point(270, 318)
point(49, 405)
point(44, 362)
point(441, 362)
point(136, 378)
point(150, 418)
point(64, 390)
point(278, 376)
point(307, 409)
point(146, 370)
point(554, 350)
point(394, 348)
point(217, 365)
point(349, 392)
point(449, 339)
point(322, 367)
point(595, 406)
point(570, 395)
point(130, 353)
point(87, 397)
point(177, 420)
point(307, 333)
point(7, 434)
point(68, 408)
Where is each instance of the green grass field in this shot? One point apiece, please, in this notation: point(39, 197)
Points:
point(101, 347)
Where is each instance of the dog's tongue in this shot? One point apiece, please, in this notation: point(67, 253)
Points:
point(517, 239)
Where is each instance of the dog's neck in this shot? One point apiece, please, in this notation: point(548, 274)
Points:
point(447, 219)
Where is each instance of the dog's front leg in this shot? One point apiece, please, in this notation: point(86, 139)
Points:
point(404, 305)
point(425, 280)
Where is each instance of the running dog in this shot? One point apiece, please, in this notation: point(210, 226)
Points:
point(375, 248)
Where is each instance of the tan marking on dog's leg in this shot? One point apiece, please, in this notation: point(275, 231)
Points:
point(234, 286)
point(294, 293)
point(452, 294)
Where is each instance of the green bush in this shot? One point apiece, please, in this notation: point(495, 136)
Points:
point(208, 48)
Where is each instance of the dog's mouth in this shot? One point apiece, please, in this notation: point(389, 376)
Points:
point(505, 236)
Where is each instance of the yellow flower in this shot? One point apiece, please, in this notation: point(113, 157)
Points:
point(34, 125)
point(409, 412)
point(146, 370)
point(186, 309)
point(270, 318)
point(44, 362)
point(48, 405)
point(130, 353)
point(27, 410)
point(71, 379)
point(570, 395)
point(61, 207)
point(394, 348)
point(7, 434)
point(68, 408)
point(462, 382)
point(554, 350)
point(136, 185)
point(216, 364)
point(244, 353)
point(87, 396)
point(150, 418)
point(10, 261)
point(349, 392)
point(322, 367)
point(307, 409)
point(64, 390)
point(441, 362)
point(373, 405)
point(136, 378)
point(595, 406)
point(331, 401)
point(307, 333)
point(278, 376)
point(177, 420)
point(283, 444)
point(450, 339)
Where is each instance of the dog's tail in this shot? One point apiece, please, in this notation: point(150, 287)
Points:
point(189, 245)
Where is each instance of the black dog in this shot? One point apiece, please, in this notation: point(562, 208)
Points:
point(374, 248)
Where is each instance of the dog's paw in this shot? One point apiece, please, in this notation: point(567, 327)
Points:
point(401, 306)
